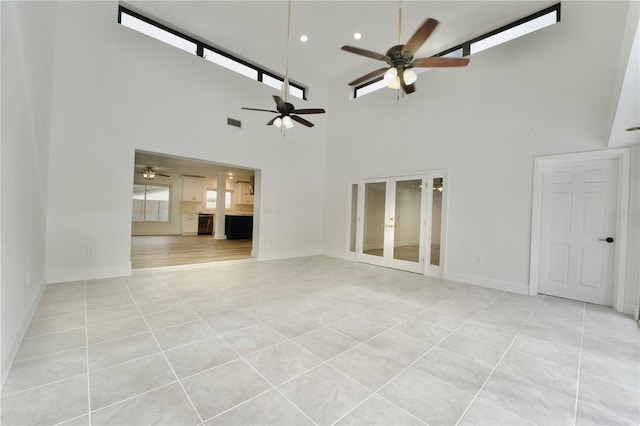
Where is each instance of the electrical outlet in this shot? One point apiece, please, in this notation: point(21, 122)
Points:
point(90, 250)
point(477, 260)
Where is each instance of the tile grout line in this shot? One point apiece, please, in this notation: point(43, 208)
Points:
point(86, 349)
point(129, 398)
point(575, 410)
point(165, 356)
point(375, 393)
point(499, 362)
point(247, 363)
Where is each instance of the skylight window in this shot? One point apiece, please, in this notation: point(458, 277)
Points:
point(273, 82)
point(157, 33)
point(519, 28)
point(514, 32)
point(230, 64)
point(160, 32)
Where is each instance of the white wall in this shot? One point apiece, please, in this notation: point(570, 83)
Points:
point(118, 91)
point(28, 35)
point(538, 95)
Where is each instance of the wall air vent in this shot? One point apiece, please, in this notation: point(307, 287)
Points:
point(234, 122)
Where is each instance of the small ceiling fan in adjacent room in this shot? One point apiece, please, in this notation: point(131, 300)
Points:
point(149, 173)
point(400, 58)
point(287, 113)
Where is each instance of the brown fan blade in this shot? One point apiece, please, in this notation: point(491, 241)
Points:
point(301, 120)
point(258, 109)
point(419, 37)
point(282, 106)
point(369, 76)
point(270, 123)
point(436, 61)
point(367, 53)
point(408, 88)
point(309, 111)
point(163, 175)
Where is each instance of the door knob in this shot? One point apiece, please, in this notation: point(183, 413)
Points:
point(608, 239)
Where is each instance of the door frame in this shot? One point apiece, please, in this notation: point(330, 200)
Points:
point(430, 270)
point(620, 253)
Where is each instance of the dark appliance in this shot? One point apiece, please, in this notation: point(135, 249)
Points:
point(205, 224)
point(238, 227)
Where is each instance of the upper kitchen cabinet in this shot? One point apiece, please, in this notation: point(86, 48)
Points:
point(193, 189)
point(244, 193)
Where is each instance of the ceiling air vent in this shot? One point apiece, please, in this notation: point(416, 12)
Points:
point(234, 122)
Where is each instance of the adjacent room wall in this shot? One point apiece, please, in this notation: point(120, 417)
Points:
point(117, 91)
point(540, 94)
point(28, 36)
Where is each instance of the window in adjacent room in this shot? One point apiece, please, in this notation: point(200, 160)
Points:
point(151, 203)
point(212, 197)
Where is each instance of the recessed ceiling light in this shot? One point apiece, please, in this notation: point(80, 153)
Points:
point(357, 36)
point(303, 38)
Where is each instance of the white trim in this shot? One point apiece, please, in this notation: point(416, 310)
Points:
point(290, 254)
point(337, 254)
point(487, 282)
point(61, 276)
point(7, 362)
point(630, 309)
point(620, 259)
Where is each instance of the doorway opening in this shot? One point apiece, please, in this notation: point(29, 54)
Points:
point(397, 222)
point(181, 215)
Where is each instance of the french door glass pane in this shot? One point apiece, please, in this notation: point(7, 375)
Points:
point(354, 216)
point(374, 204)
point(406, 241)
point(436, 220)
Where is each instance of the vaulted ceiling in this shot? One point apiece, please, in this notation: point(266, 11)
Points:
point(257, 31)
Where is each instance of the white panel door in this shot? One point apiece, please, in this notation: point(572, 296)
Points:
point(577, 238)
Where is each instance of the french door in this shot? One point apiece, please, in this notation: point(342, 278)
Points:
point(391, 224)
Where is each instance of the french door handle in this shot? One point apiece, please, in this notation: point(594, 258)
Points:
point(608, 239)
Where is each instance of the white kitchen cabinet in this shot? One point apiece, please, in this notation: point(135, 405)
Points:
point(189, 224)
point(192, 189)
point(243, 193)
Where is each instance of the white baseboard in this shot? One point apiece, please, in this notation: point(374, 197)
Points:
point(289, 254)
point(66, 275)
point(335, 253)
point(17, 340)
point(487, 282)
point(629, 308)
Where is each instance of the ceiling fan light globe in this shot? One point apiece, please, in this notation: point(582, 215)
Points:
point(390, 75)
point(277, 122)
point(395, 84)
point(410, 76)
point(287, 122)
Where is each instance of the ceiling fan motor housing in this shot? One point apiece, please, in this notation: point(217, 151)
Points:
point(397, 59)
point(289, 108)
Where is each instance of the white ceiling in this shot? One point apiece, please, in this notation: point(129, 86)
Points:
point(179, 166)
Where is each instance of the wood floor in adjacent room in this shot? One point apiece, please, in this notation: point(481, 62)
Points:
point(153, 251)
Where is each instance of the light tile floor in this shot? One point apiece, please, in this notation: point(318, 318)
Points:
point(318, 341)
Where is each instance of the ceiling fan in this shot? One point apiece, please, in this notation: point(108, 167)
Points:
point(286, 110)
point(286, 113)
point(400, 61)
point(149, 173)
